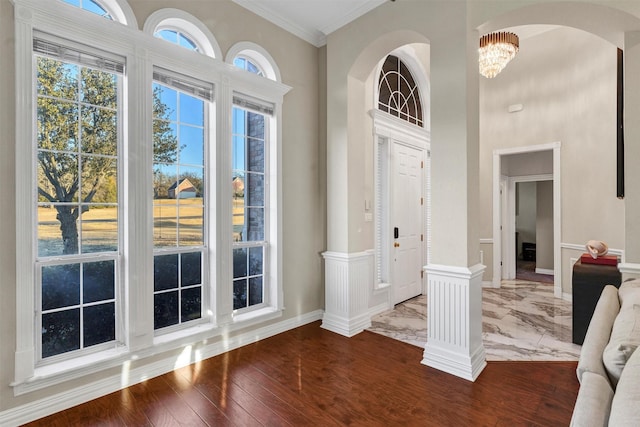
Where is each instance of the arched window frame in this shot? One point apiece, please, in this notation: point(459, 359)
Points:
point(419, 76)
point(187, 24)
point(258, 55)
point(119, 10)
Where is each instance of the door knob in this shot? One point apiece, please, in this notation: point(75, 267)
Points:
point(396, 245)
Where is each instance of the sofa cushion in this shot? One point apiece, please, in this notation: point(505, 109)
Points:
point(625, 408)
point(593, 405)
point(598, 333)
point(625, 337)
point(628, 290)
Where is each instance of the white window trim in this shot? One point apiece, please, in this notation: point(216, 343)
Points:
point(142, 52)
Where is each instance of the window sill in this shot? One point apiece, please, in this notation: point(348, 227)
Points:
point(56, 373)
point(257, 316)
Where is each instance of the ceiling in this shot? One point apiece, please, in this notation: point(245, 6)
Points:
point(314, 20)
point(311, 20)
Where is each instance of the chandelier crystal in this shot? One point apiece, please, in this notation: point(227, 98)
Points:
point(496, 50)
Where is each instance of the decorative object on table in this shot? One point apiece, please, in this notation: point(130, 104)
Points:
point(597, 254)
point(597, 248)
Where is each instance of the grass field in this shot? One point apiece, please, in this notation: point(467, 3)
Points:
point(99, 226)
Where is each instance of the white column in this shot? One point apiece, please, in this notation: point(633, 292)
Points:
point(454, 320)
point(347, 281)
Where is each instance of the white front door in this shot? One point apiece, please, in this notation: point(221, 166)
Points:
point(406, 221)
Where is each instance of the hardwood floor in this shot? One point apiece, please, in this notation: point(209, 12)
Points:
point(312, 377)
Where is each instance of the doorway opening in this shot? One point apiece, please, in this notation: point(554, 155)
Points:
point(535, 171)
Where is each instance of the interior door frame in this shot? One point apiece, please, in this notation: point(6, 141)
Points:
point(498, 222)
point(386, 131)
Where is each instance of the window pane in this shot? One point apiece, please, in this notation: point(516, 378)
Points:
point(255, 226)
point(99, 324)
point(58, 176)
point(98, 281)
point(168, 35)
point(255, 189)
point(164, 177)
point(191, 145)
point(165, 309)
point(57, 125)
point(256, 155)
point(93, 7)
point(255, 125)
point(191, 226)
point(187, 43)
point(239, 159)
point(60, 286)
point(100, 229)
point(255, 261)
point(99, 88)
point(165, 102)
point(255, 290)
point(165, 272)
point(239, 294)
point(96, 174)
point(57, 79)
point(191, 110)
point(191, 303)
point(49, 240)
point(165, 226)
point(60, 332)
point(191, 268)
point(239, 262)
point(99, 130)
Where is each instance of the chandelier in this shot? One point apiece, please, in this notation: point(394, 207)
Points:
point(496, 50)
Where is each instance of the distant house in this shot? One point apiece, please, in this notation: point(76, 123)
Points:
point(182, 189)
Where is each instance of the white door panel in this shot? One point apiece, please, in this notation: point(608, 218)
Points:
point(406, 217)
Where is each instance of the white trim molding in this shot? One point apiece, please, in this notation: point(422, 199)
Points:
point(454, 324)
point(348, 277)
point(629, 268)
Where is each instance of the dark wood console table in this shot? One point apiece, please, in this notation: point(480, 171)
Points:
point(587, 283)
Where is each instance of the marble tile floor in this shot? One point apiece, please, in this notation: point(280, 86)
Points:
point(522, 320)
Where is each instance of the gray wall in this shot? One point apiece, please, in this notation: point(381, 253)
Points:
point(565, 79)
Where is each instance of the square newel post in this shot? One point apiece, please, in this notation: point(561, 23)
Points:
point(454, 320)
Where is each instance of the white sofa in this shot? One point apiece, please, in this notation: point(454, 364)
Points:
point(609, 366)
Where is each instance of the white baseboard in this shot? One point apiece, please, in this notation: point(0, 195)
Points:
point(58, 402)
point(567, 297)
point(544, 271)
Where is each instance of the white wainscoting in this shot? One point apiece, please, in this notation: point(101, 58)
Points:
point(348, 279)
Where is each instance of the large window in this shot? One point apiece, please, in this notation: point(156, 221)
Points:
point(180, 128)
point(78, 231)
point(248, 191)
point(129, 243)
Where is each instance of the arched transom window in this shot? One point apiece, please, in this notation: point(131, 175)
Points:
point(398, 92)
point(248, 65)
point(177, 37)
point(91, 6)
